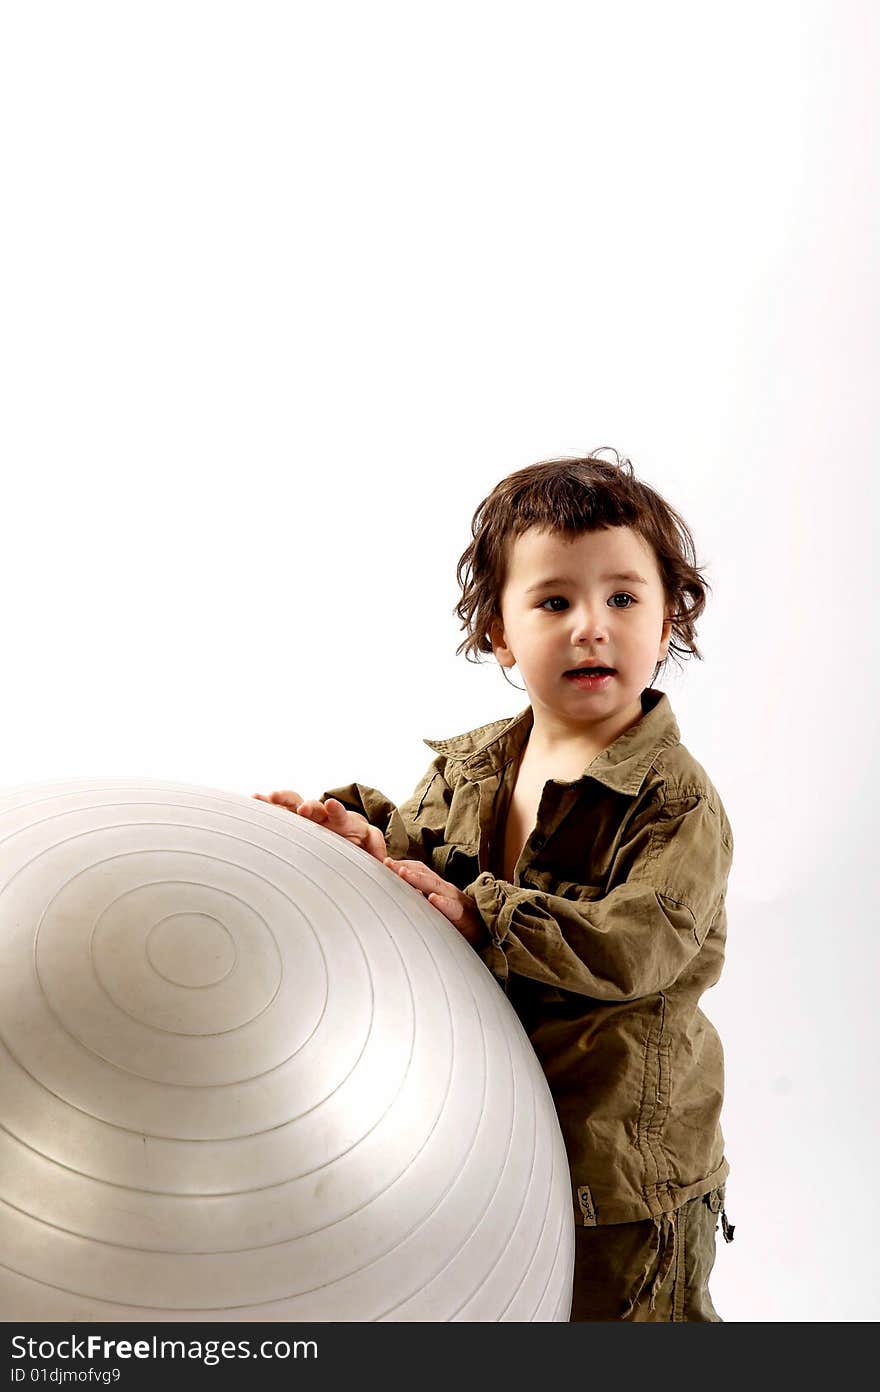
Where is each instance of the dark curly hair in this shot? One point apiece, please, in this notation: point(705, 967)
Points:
point(573, 496)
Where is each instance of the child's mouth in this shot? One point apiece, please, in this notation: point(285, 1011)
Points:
point(590, 678)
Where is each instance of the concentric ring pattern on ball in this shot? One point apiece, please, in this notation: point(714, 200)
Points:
point(247, 1073)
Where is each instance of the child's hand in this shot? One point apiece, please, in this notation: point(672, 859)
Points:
point(288, 799)
point(459, 908)
point(332, 815)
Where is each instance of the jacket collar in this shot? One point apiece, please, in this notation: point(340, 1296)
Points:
point(623, 766)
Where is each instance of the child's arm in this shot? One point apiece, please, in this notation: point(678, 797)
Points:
point(369, 819)
point(417, 827)
point(637, 936)
point(418, 824)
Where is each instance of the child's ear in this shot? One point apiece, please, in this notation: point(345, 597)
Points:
point(503, 656)
point(665, 637)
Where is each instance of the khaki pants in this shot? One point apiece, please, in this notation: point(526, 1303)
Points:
point(654, 1270)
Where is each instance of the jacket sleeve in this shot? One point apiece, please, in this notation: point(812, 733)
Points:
point(415, 829)
point(633, 938)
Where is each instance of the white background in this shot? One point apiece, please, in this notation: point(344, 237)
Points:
point(287, 288)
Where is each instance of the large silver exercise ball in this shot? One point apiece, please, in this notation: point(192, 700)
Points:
point(246, 1073)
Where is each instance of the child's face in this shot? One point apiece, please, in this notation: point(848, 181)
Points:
point(563, 606)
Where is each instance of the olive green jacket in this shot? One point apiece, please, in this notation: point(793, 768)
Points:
point(612, 929)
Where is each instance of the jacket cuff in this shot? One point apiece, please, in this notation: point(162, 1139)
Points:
point(491, 903)
point(397, 839)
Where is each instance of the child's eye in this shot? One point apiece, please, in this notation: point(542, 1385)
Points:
point(560, 603)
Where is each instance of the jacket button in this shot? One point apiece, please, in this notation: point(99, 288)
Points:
point(538, 842)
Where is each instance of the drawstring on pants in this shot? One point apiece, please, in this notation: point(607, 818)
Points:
point(667, 1255)
point(663, 1248)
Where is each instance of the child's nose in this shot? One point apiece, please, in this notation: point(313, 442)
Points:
point(590, 625)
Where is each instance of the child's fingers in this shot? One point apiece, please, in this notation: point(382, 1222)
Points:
point(285, 798)
point(417, 874)
point(333, 815)
point(349, 824)
point(450, 908)
point(355, 828)
point(344, 823)
point(412, 870)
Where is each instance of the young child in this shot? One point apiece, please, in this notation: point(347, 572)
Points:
point(584, 853)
